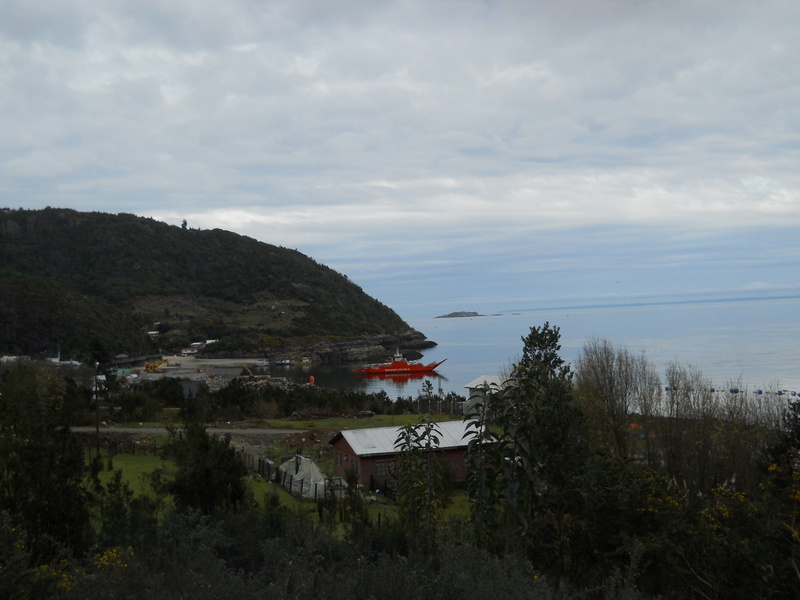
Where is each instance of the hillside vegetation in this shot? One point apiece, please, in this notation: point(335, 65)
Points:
point(92, 284)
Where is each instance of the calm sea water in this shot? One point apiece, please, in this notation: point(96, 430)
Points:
point(754, 343)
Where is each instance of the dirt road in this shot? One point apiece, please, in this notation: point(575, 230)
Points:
point(240, 436)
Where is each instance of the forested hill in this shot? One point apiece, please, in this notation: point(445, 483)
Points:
point(95, 283)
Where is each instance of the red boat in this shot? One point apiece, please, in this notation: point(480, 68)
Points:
point(398, 366)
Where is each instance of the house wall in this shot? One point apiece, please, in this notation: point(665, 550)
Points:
point(344, 458)
point(374, 472)
point(373, 477)
point(475, 396)
point(454, 459)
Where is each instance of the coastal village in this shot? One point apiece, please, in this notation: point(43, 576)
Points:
point(233, 461)
point(369, 451)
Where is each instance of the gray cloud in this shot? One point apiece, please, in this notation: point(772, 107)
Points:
point(463, 136)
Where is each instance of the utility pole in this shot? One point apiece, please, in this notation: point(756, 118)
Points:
point(96, 411)
point(99, 383)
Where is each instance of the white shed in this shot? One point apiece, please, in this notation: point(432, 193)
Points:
point(475, 390)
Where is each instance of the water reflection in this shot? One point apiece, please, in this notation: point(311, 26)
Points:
point(401, 378)
point(342, 378)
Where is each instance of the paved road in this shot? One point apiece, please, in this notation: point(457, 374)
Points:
point(232, 431)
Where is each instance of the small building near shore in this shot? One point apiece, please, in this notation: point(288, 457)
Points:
point(476, 390)
point(372, 455)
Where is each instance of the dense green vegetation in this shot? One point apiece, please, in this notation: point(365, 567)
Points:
point(598, 483)
point(92, 284)
point(37, 317)
point(240, 399)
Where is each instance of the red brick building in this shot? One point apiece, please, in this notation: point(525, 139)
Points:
point(371, 452)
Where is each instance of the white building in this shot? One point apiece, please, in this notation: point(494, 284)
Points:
point(476, 390)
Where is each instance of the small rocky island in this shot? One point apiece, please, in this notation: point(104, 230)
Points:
point(454, 315)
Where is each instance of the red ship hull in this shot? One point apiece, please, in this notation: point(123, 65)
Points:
point(398, 366)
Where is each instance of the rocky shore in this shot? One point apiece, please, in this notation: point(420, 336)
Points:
point(344, 351)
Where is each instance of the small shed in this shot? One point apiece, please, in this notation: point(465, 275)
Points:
point(475, 390)
point(372, 454)
point(301, 476)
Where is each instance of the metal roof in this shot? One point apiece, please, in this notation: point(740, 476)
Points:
point(495, 381)
point(380, 440)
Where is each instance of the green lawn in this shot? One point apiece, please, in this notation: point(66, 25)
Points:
point(261, 488)
point(340, 423)
point(134, 467)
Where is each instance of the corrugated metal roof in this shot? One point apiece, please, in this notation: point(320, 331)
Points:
point(380, 440)
point(497, 381)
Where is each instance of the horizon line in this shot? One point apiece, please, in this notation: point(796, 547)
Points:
point(654, 303)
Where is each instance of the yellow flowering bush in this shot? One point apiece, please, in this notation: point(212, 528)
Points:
point(60, 577)
point(114, 558)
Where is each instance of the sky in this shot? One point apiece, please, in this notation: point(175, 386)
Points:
point(444, 155)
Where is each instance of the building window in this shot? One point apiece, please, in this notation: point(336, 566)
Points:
point(384, 468)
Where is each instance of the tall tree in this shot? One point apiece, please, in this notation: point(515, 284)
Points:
point(782, 488)
point(484, 468)
point(209, 475)
point(420, 485)
point(612, 384)
point(605, 380)
point(542, 450)
point(42, 466)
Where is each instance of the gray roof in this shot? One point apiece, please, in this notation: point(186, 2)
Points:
point(380, 440)
point(497, 381)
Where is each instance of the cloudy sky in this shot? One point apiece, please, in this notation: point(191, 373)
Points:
point(453, 155)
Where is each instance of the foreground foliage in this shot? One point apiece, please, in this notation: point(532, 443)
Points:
point(567, 501)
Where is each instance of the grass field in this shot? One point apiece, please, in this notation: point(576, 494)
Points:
point(337, 423)
point(340, 423)
point(136, 467)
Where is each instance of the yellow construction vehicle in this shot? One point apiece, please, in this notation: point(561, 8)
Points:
point(246, 370)
point(155, 367)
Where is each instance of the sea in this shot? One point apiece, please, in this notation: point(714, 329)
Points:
point(750, 343)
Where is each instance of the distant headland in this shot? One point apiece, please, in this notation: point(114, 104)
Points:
point(463, 313)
